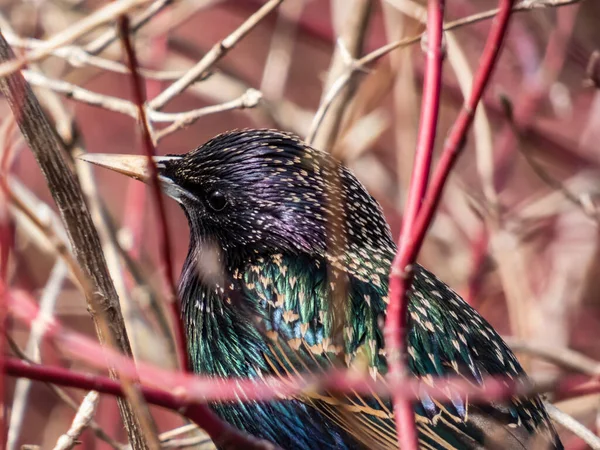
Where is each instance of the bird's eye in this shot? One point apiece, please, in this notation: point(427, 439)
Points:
point(217, 201)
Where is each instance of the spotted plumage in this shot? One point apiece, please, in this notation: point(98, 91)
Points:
point(287, 273)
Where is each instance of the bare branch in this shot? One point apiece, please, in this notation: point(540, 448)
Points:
point(81, 421)
point(47, 303)
point(103, 15)
point(214, 55)
point(325, 129)
point(249, 99)
point(69, 401)
point(564, 357)
point(573, 425)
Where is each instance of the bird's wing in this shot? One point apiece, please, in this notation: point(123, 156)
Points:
point(316, 319)
point(448, 338)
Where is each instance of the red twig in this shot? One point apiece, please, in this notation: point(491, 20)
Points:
point(430, 106)
point(183, 397)
point(193, 388)
point(455, 141)
point(396, 317)
point(220, 432)
point(163, 232)
point(6, 245)
point(136, 192)
point(395, 328)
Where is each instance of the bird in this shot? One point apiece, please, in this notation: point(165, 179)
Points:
point(287, 273)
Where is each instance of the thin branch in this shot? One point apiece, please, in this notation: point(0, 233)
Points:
point(110, 36)
point(370, 58)
point(194, 441)
point(395, 326)
point(80, 94)
point(171, 438)
point(82, 419)
point(280, 56)
point(573, 425)
point(55, 235)
point(164, 241)
point(213, 56)
point(99, 17)
point(532, 95)
point(7, 242)
point(456, 139)
point(78, 57)
point(172, 434)
point(564, 357)
point(583, 202)
point(189, 392)
point(69, 401)
point(220, 432)
point(250, 99)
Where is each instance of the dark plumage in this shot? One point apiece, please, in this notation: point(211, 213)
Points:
point(287, 273)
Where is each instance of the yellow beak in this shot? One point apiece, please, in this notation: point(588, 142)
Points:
point(134, 166)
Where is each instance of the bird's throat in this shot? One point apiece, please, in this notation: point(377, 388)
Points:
point(222, 335)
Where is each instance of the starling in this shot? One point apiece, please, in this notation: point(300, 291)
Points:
point(287, 274)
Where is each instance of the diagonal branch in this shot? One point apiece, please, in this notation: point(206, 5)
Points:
point(215, 54)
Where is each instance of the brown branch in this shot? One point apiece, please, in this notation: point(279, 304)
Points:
point(110, 36)
point(350, 47)
point(66, 192)
point(248, 99)
point(564, 357)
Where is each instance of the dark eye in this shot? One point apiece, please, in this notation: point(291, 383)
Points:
point(217, 201)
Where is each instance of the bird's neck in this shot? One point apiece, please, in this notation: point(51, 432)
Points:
point(222, 336)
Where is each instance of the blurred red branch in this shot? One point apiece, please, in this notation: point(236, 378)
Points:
point(162, 226)
point(180, 392)
point(194, 388)
point(479, 247)
point(220, 432)
point(418, 219)
point(6, 245)
point(535, 92)
point(395, 327)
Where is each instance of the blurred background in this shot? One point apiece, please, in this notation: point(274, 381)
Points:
point(516, 234)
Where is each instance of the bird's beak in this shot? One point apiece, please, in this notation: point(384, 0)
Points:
point(134, 166)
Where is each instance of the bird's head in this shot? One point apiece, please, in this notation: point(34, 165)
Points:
point(257, 191)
